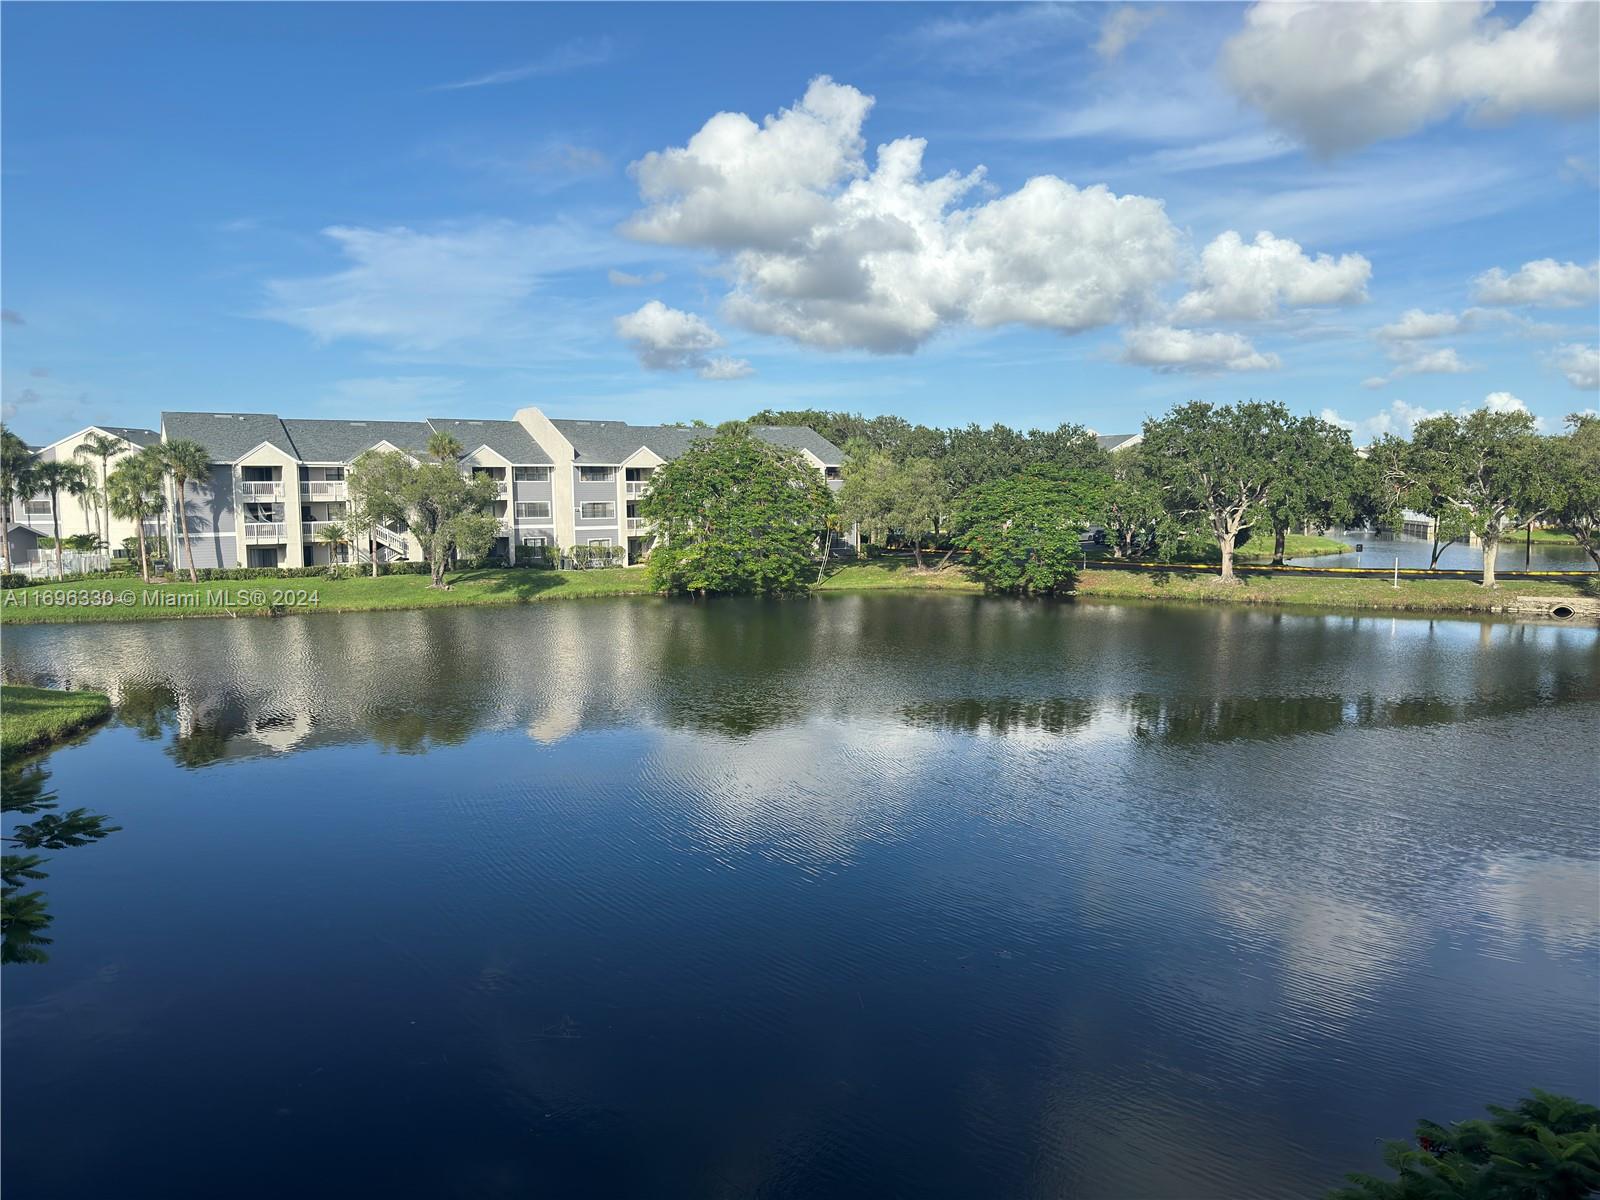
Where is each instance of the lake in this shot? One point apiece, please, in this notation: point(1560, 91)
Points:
point(893, 895)
point(1381, 550)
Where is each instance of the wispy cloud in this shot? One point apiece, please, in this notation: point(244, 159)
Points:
point(415, 290)
point(571, 56)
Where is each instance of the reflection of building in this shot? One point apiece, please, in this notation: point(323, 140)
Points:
point(277, 484)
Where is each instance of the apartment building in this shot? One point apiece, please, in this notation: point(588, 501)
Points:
point(277, 482)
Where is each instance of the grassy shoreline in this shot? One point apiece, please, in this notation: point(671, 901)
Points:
point(232, 598)
point(1201, 585)
point(135, 601)
point(32, 718)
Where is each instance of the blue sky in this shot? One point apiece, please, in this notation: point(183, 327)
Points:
point(409, 210)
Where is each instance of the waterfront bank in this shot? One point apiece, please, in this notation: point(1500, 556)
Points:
point(32, 718)
point(130, 600)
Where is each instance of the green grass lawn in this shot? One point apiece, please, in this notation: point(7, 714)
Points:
point(896, 575)
point(1541, 537)
point(31, 717)
point(251, 597)
point(1295, 545)
point(1426, 595)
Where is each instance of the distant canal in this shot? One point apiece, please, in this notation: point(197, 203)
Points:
point(1382, 550)
point(861, 896)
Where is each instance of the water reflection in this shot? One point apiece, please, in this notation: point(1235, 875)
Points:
point(408, 682)
point(24, 915)
point(858, 896)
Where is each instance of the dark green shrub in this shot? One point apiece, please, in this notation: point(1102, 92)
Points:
point(1546, 1148)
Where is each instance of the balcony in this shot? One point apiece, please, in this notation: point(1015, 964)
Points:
point(637, 524)
point(323, 489)
point(263, 531)
point(638, 487)
point(261, 489)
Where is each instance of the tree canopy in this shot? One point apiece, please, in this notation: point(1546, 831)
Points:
point(1218, 464)
point(1487, 469)
point(735, 514)
point(1022, 535)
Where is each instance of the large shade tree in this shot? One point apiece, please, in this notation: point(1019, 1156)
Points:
point(451, 515)
point(735, 514)
point(1315, 482)
point(1491, 471)
point(376, 497)
point(1576, 479)
point(1022, 535)
point(1135, 518)
point(1217, 464)
point(867, 496)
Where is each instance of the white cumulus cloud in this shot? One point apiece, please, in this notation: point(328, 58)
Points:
point(1412, 359)
point(1580, 364)
point(1544, 283)
point(669, 339)
point(832, 251)
point(1339, 76)
point(1398, 419)
point(1169, 349)
point(1251, 281)
point(1414, 325)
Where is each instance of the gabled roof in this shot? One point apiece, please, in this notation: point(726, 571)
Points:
point(228, 437)
point(802, 437)
point(505, 438)
point(1115, 441)
point(318, 441)
point(613, 442)
point(139, 437)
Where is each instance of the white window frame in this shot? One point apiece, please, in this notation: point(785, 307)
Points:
point(597, 474)
point(606, 542)
point(532, 474)
point(533, 504)
point(535, 540)
point(609, 515)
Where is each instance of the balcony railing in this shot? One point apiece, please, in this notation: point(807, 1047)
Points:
point(636, 524)
point(323, 489)
point(263, 531)
point(638, 487)
point(256, 488)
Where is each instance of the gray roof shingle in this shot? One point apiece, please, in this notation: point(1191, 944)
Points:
point(344, 441)
point(612, 442)
point(227, 437)
point(139, 437)
point(505, 438)
point(1112, 441)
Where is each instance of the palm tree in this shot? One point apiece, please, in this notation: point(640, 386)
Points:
point(333, 534)
point(444, 448)
point(56, 477)
point(185, 461)
point(16, 481)
point(134, 492)
point(103, 447)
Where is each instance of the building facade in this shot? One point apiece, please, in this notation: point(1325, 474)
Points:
point(275, 484)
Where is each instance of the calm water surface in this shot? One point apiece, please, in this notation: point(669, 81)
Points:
point(1381, 551)
point(867, 896)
